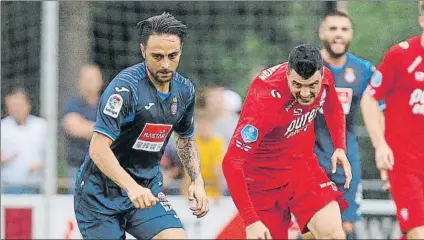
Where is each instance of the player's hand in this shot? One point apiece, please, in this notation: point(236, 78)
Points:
point(257, 230)
point(339, 157)
point(384, 176)
point(199, 203)
point(142, 197)
point(384, 157)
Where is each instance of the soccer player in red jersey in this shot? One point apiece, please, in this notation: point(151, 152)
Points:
point(270, 166)
point(399, 149)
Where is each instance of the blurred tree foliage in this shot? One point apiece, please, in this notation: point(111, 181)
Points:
point(379, 25)
point(227, 43)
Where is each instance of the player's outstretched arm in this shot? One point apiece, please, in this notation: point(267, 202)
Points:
point(105, 160)
point(189, 155)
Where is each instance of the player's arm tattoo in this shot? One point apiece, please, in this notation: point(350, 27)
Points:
point(189, 155)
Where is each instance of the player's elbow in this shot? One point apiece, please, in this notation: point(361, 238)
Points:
point(93, 151)
point(99, 144)
point(230, 165)
point(369, 106)
point(226, 166)
point(367, 100)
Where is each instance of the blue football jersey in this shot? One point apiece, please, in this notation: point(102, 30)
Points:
point(140, 120)
point(350, 81)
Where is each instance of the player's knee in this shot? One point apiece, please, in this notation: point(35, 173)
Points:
point(171, 233)
point(336, 234)
point(330, 232)
point(347, 226)
point(307, 235)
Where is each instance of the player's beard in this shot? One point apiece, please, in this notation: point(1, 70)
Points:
point(327, 46)
point(158, 79)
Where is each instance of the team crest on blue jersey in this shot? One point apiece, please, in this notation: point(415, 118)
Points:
point(249, 133)
point(113, 105)
point(376, 79)
point(349, 75)
point(174, 106)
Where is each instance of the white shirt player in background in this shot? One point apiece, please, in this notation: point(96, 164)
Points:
point(23, 145)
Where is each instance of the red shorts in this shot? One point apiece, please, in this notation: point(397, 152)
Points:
point(303, 196)
point(407, 189)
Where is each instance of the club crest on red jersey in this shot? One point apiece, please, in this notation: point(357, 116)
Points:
point(249, 133)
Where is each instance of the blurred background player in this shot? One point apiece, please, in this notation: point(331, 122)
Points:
point(172, 169)
point(119, 186)
point(270, 166)
point(23, 146)
point(225, 105)
point(399, 149)
point(79, 118)
point(351, 76)
point(211, 148)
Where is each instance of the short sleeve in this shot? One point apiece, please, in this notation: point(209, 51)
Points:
point(369, 71)
point(185, 127)
point(117, 106)
point(384, 77)
point(71, 106)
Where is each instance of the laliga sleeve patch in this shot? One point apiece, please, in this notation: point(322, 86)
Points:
point(376, 79)
point(113, 105)
point(249, 133)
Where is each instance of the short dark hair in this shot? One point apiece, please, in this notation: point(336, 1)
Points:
point(337, 13)
point(305, 59)
point(19, 90)
point(161, 24)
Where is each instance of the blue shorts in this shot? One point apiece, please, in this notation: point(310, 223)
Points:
point(97, 223)
point(353, 195)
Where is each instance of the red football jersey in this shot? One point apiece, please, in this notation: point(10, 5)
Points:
point(399, 80)
point(275, 134)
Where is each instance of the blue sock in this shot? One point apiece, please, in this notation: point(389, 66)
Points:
point(350, 235)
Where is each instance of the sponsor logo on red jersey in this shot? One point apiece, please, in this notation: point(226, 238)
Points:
point(301, 123)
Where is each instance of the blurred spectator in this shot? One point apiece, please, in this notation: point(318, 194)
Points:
point(172, 169)
point(225, 105)
point(211, 150)
point(79, 118)
point(23, 145)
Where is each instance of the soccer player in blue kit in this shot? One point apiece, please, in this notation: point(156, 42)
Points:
point(351, 75)
point(119, 185)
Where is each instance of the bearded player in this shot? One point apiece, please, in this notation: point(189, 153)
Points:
point(270, 166)
point(351, 76)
